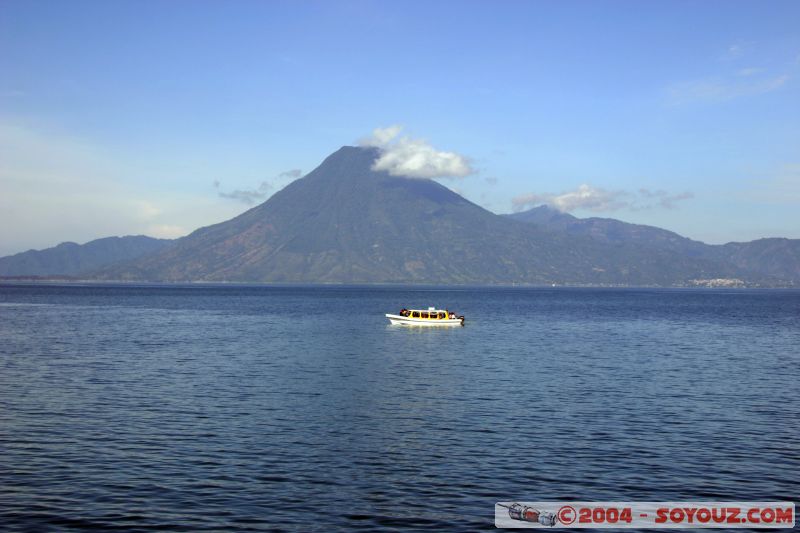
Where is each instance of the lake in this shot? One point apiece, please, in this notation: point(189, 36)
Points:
point(238, 407)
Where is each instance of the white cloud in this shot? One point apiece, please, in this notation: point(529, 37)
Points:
point(166, 231)
point(291, 174)
point(749, 71)
point(414, 158)
point(261, 192)
point(584, 197)
point(734, 51)
point(660, 199)
point(740, 80)
point(247, 196)
point(147, 210)
point(738, 50)
point(381, 137)
point(722, 90)
point(599, 200)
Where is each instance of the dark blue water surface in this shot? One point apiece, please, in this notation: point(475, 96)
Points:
point(250, 407)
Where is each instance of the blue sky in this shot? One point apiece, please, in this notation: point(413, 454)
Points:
point(132, 117)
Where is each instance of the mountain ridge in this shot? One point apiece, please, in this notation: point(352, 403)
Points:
point(771, 257)
point(70, 258)
point(345, 222)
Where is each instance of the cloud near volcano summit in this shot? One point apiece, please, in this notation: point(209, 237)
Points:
point(414, 158)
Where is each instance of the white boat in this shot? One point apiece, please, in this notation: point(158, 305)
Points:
point(429, 317)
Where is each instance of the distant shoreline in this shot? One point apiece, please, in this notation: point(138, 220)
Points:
point(69, 281)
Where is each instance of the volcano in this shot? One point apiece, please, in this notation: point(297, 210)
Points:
point(347, 223)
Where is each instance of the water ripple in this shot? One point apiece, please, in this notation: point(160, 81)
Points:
point(297, 408)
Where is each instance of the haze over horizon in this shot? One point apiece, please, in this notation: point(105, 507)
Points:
point(129, 118)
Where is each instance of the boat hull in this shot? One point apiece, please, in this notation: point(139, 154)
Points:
point(397, 320)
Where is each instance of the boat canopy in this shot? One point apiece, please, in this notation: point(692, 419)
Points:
point(430, 313)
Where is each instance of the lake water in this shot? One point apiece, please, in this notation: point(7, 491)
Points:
point(249, 407)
